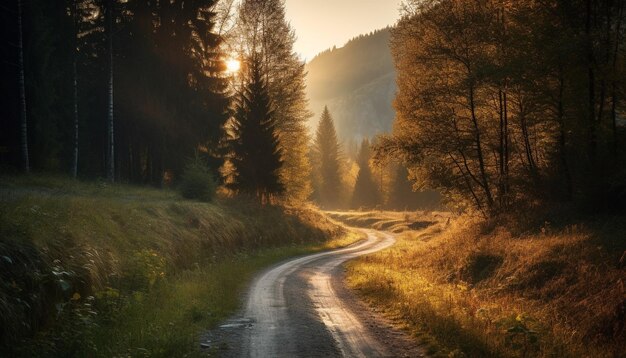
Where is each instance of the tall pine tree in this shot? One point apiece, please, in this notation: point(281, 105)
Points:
point(366, 193)
point(326, 157)
point(263, 30)
point(256, 155)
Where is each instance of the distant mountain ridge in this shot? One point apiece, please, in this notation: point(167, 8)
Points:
point(357, 83)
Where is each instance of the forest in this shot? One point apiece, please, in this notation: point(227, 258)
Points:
point(157, 157)
point(135, 92)
point(509, 105)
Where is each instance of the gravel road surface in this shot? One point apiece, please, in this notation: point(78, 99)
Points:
point(300, 309)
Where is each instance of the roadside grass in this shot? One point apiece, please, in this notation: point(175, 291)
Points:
point(193, 301)
point(467, 289)
point(93, 269)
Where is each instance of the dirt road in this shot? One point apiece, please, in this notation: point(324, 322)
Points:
point(296, 309)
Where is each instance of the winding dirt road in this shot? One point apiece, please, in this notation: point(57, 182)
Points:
point(296, 309)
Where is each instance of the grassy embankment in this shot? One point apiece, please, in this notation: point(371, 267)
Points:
point(466, 288)
point(92, 269)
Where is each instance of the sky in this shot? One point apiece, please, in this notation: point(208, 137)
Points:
point(322, 24)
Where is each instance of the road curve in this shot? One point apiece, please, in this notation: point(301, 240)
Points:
point(292, 310)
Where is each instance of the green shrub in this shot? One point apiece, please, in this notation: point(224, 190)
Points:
point(197, 182)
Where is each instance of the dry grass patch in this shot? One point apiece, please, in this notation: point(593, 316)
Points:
point(392, 221)
point(553, 293)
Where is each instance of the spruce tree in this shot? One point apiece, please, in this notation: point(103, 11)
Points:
point(366, 194)
point(264, 30)
point(256, 155)
point(326, 154)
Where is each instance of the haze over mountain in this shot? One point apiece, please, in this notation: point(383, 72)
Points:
point(357, 83)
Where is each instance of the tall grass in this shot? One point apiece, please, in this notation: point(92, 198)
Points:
point(485, 292)
point(90, 269)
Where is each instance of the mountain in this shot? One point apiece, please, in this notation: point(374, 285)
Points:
point(357, 83)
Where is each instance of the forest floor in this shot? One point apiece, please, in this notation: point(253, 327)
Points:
point(93, 269)
point(467, 288)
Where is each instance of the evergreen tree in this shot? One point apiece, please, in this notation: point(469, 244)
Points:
point(171, 95)
point(366, 193)
point(256, 156)
point(263, 30)
point(326, 156)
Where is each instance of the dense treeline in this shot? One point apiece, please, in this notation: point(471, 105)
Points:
point(506, 102)
point(355, 178)
point(127, 89)
point(130, 90)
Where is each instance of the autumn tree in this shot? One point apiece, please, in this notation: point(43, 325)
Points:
point(326, 155)
point(493, 108)
point(256, 155)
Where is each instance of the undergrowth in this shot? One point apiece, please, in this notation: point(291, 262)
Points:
point(92, 269)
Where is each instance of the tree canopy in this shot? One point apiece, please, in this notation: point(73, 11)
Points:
point(504, 103)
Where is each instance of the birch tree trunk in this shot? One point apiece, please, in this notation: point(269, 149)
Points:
point(75, 74)
point(111, 132)
point(22, 84)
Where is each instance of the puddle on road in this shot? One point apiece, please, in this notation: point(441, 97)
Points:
point(238, 323)
point(227, 337)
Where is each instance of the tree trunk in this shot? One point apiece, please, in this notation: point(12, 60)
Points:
point(503, 155)
point(22, 84)
point(468, 184)
point(562, 140)
point(479, 149)
point(111, 128)
point(591, 87)
point(75, 74)
point(506, 147)
point(527, 145)
point(614, 84)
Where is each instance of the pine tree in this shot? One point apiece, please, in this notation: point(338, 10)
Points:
point(366, 193)
point(326, 154)
point(256, 156)
point(171, 96)
point(264, 30)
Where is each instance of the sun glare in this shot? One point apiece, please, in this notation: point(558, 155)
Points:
point(232, 65)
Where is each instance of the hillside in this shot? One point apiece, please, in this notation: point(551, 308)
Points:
point(101, 270)
point(357, 83)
